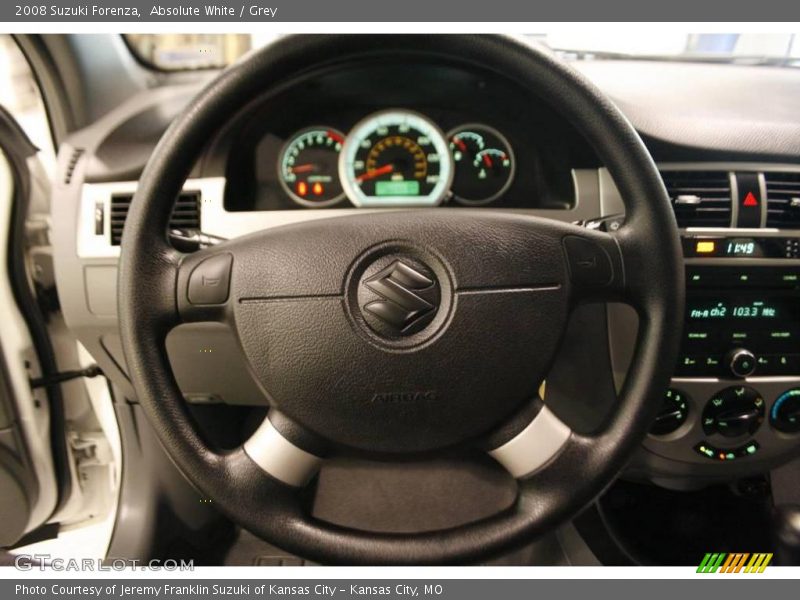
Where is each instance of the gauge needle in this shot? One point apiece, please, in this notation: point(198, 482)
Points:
point(302, 168)
point(487, 160)
point(375, 173)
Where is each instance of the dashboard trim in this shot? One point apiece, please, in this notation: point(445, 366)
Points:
point(216, 220)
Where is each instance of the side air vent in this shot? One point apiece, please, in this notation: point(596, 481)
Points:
point(699, 198)
point(783, 200)
point(185, 215)
point(73, 162)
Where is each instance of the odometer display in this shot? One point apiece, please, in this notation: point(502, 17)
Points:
point(395, 158)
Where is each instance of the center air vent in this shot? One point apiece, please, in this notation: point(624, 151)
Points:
point(185, 215)
point(783, 200)
point(699, 198)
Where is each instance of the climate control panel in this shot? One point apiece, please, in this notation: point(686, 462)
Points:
point(708, 421)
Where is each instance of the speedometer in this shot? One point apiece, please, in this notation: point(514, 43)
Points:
point(395, 158)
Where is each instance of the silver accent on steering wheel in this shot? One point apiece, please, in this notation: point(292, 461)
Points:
point(533, 447)
point(279, 457)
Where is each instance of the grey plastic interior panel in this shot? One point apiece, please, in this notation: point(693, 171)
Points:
point(207, 361)
point(101, 289)
point(159, 510)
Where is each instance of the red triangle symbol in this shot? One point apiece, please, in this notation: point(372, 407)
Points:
point(750, 200)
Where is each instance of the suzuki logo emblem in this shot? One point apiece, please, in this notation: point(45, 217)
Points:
point(406, 296)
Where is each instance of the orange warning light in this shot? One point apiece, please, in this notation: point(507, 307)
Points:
point(705, 247)
point(317, 189)
point(302, 188)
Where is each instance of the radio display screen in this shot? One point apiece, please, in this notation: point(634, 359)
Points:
point(745, 309)
point(740, 247)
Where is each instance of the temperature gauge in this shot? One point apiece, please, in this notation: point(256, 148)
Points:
point(484, 164)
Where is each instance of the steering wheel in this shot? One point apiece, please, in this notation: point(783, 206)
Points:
point(444, 286)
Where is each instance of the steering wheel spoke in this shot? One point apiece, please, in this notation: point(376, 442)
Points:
point(526, 452)
point(279, 457)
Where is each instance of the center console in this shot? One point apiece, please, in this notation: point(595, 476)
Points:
point(734, 401)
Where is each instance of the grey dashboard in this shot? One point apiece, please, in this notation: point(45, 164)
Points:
point(702, 119)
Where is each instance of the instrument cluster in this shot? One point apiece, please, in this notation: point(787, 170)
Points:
point(396, 158)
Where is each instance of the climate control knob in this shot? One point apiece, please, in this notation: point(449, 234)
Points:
point(741, 362)
point(673, 413)
point(785, 413)
point(733, 412)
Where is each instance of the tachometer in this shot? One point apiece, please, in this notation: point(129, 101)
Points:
point(395, 158)
point(307, 167)
point(484, 163)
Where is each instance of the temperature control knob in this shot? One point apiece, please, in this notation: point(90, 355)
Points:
point(741, 362)
point(785, 413)
point(733, 412)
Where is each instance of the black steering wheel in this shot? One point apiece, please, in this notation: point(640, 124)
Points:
point(458, 284)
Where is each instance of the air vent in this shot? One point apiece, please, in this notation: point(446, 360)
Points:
point(185, 215)
point(73, 162)
point(783, 200)
point(699, 198)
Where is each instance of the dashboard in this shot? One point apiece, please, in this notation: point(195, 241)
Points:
point(394, 135)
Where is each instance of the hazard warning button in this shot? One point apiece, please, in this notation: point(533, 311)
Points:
point(750, 209)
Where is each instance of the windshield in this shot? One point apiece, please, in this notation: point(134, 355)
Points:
point(212, 51)
point(754, 48)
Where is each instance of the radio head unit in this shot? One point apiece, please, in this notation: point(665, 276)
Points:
point(742, 314)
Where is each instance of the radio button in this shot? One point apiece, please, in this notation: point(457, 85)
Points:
point(699, 341)
point(785, 364)
point(690, 365)
point(738, 337)
point(781, 340)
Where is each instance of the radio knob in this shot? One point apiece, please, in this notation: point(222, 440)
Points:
point(741, 362)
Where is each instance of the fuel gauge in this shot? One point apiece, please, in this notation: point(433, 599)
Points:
point(484, 164)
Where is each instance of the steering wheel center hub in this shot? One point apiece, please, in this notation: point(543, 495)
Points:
point(399, 296)
point(391, 345)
